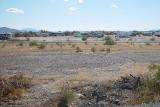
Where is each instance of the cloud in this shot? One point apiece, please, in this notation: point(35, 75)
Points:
point(72, 8)
point(114, 6)
point(15, 10)
point(80, 1)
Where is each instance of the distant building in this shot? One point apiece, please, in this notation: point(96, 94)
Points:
point(77, 34)
point(96, 34)
point(5, 36)
point(93, 34)
point(42, 34)
point(123, 34)
point(57, 34)
point(157, 34)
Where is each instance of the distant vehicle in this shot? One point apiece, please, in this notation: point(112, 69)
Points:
point(5, 36)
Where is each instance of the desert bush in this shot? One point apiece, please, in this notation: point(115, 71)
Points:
point(151, 84)
point(14, 86)
point(86, 43)
point(42, 46)
point(152, 39)
point(3, 45)
point(153, 67)
point(93, 49)
point(57, 43)
point(84, 38)
point(69, 42)
point(20, 44)
point(67, 96)
point(149, 87)
point(27, 39)
point(78, 49)
point(148, 43)
point(108, 50)
point(109, 41)
point(33, 43)
point(73, 46)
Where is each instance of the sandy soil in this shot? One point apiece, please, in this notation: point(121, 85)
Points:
point(14, 46)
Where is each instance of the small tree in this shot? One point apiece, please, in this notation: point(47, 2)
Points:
point(84, 38)
point(109, 41)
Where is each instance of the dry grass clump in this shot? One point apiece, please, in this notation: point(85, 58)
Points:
point(78, 49)
point(73, 46)
point(149, 89)
point(108, 50)
point(148, 44)
point(34, 43)
point(14, 86)
point(93, 49)
point(67, 96)
point(42, 46)
point(152, 39)
point(3, 45)
point(151, 83)
point(20, 44)
point(109, 41)
point(63, 99)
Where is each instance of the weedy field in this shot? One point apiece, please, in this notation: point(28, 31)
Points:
point(35, 46)
point(86, 74)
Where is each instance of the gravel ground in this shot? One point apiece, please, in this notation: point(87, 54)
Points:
point(35, 63)
point(47, 63)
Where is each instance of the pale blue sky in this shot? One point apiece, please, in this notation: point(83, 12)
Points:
point(56, 15)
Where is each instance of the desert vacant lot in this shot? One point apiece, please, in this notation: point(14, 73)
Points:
point(52, 65)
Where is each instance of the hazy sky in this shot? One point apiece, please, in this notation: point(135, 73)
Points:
point(85, 15)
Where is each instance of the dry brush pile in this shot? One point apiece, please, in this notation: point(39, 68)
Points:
point(13, 87)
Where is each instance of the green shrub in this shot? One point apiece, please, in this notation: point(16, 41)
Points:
point(33, 43)
point(67, 96)
point(84, 38)
point(20, 44)
point(42, 46)
point(109, 41)
point(151, 84)
point(149, 88)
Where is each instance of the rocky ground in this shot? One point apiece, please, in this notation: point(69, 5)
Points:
point(39, 64)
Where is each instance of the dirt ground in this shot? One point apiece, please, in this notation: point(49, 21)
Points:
point(49, 83)
point(23, 46)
